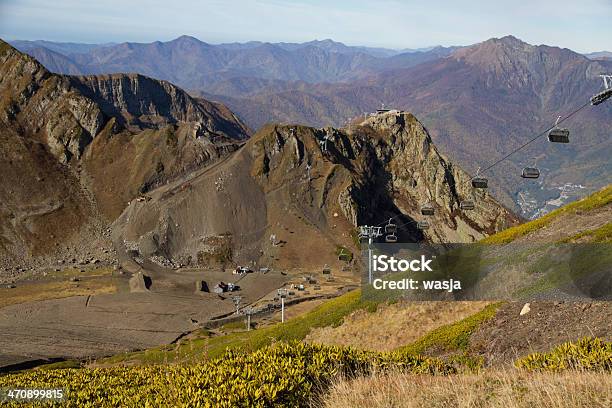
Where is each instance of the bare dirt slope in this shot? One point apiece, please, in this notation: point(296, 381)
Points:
point(87, 326)
point(289, 199)
point(124, 313)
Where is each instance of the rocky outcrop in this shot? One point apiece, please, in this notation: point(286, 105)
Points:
point(412, 173)
point(387, 166)
point(45, 105)
point(145, 102)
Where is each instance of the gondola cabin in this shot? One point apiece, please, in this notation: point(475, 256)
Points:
point(422, 225)
point(427, 209)
point(530, 173)
point(391, 238)
point(390, 228)
point(601, 97)
point(559, 135)
point(480, 182)
point(467, 205)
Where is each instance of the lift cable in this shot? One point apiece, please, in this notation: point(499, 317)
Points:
point(489, 167)
point(561, 120)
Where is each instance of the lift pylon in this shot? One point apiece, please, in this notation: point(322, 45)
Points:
point(606, 93)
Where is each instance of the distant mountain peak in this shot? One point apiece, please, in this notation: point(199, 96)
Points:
point(326, 41)
point(510, 53)
point(187, 39)
point(506, 42)
point(509, 39)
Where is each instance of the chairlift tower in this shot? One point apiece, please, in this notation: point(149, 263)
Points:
point(324, 140)
point(282, 293)
point(237, 300)
point(249, 311)
point(369, 232)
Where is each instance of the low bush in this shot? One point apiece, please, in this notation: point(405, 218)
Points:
point(283, 374)
point(590, 354)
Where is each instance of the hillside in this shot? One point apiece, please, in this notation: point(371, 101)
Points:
point(504, 334)
point(284, 182)
point(79, 148)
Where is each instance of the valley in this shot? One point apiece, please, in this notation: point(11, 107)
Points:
point(176, 195)
point(213, 235)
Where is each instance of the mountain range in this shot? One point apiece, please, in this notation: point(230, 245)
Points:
point(194, 64)
point(173, 173)
point(478, 102)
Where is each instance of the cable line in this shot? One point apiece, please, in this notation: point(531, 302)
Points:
point(555, 134)
point(563, 119)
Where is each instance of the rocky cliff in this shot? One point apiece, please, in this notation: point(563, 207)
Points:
point(145, 102)
point(387, 166)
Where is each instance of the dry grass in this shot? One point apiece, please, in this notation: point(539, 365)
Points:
point(392, 326)
point(58, 286)
point(511, 389)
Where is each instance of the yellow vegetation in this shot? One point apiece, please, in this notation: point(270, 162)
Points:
point(278, 375)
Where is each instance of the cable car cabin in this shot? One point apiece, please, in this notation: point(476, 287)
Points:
point(530, 173)
point(422, 225)
point(480, 182)
point(390, 228)
point(427, 209)
point(559, 135)
point(391, 238)
point(467, 205)
point(601, 97)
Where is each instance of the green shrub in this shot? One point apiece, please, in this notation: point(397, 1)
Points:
point(283, 374)
point(454, 336)
point(591, 354)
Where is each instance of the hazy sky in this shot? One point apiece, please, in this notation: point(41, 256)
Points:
point(582, 25)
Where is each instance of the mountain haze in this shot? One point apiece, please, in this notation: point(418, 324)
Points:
point(197, 65)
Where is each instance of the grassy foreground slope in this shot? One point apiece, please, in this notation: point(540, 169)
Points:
point(590, 203)
point(298, 374)
point(491, 389)
point(570, 375)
